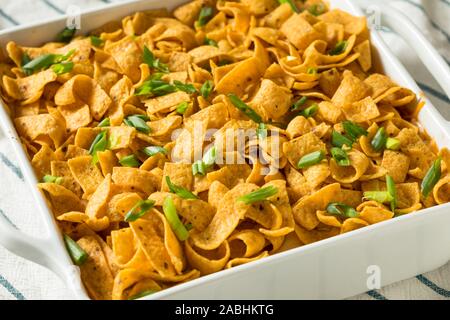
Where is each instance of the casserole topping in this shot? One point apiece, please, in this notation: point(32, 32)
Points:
point(175, 145)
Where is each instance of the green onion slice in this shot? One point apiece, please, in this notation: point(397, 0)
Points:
point(206, 89)
point(100, 143)
point(310, 111)
point(198, 167)
point(179, 191)
point(378, 142)
point(182, 107)
point(130, 161)
point(186, 87)
point(97, 41)
point(149, 58)
point(52, 179)
point(204, 16)
point(104, 123)
point(63, 67)
point(390, 184)
point(174, 221)
point(291, 4)
point(353, 130)
point(431, 177)
point(210, 42)
point(242, 106)
point(142, 294)
point(152, 150)
point(261, 131)
point(378, 196)
point(44, 62)
point(311, 70)
point(311, 159)
point(66, 35)
point(316, 9)
point(259, 195)
point(138, 121)
point(78, 255)
point(339, 140)
point(338, 48)
point(392, 144)
point(300, 102)
point(143, 206)
point(341, 209)
point(340, 156)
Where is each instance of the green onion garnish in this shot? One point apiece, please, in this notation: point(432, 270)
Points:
point(152, 150)
point(130, 161)
point(431, 177)
point(242, 106)
point(390, 184)
point(339, 140)
point(143, 206)
point(174, 221)
point(291, 4)
point(186, 87)
point(378, 196)
point(209, 158)
point(97, 41)
point(316, 9)
point(379, 139)
point(198, 167)
point(25, 59)
point(155, 86)
point(341, 209)
point(149, 58)
point(224, 62)
point(188, 226)
point(300, 102)
point(206, 89)
point(353, 130)
point(310, 111)
point(338, 48)
point(261, 131)
point(78, 255)
point(100, 143)
point(104, 123)
point(310, 159)
point(340, 156)
point(204, 16)
point(63, 67)
point(142, 294)
point(311, 70)
point(181, 108)
point(392, 144)
point(180, 191)
point(66, 35)
point(138, 121)
point(210, 42)
point(45, 61)
point(259, 195)
point(52, 179)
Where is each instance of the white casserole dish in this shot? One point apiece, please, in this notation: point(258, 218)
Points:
point(330, 269)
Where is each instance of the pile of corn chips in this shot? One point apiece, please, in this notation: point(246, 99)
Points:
point(97, 115)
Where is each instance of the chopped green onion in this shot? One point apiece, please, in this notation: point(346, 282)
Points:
point(431, 177)
point(378, 196)
point(340, 156)
point(45, 61)
point(186, 87)
point(310, 111)
point(390, 184)
point(224, 62)
point(188, 226)
point(100, 143)
point(341, 209)
point(97, 41)
point(63, 67)
point(198, 167)
point(174, 221)
point(392, 144)
point(26, 59)
point(242, 106)
point(66, 35)
point(210, 42)
point(206, 89)
point(143, 206)
point(338, 48)
point(311, 70)
point(261, 131)
point(379, 139)
point(316, 9)
point(104, 123)
point(180, 191)
point(142, 294)
point(152, 150)
point(310, 159)
point(78, 255)
point(339, 140)
point(291, 4)
point(300, 102)
point(149, 58)
point(181, 108)
point(130, 161)
point(52, 179)
point(353, 130)
point(138, 121)
point(204, 16)
point(259, 195)
point(155, 86)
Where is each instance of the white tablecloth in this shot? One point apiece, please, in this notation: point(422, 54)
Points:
point(20, 279)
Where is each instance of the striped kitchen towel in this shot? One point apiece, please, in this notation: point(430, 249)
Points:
point(20, 279)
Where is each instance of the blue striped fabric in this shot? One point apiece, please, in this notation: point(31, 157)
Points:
point(7, 162)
